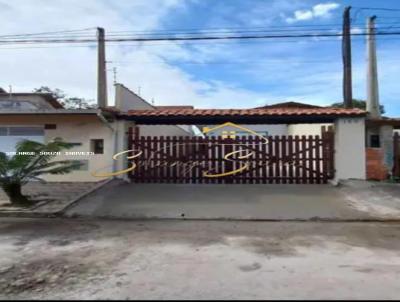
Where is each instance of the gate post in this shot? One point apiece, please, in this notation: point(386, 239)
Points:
point(350, 160)
point(121, 145)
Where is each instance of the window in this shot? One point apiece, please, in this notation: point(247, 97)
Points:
point(228, 134)
point(97, 146)
point(50, 126)
point(21, 131)
point(3, 131)
point(75, 144)
point(375, 141)
point(26, 131)
point(17, 105)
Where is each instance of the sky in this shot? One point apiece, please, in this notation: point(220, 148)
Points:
point(205, 74)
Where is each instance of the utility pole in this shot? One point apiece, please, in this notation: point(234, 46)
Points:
point(101, 69)
point(346, 52)
point(372, 71)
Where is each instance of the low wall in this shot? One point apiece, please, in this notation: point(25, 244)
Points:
point(376, 169)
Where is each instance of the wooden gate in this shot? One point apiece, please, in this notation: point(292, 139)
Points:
point(244, 160)
point(396, 154)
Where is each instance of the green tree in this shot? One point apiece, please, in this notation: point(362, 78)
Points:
point(67, 102)
point(17, 170)
point(358, 104)
point(58, 94)
point(78, 103)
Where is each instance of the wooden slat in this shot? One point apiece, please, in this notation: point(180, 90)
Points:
point(277, 154)
point(303, 159)
point(264, 161)
point(271, 160)
point(318, 159)
point(290, 160)
point(284, 159)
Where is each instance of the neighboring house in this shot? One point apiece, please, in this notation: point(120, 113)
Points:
point(125, 100)
point(95, 133)
point(40, 117)
point(273, 129)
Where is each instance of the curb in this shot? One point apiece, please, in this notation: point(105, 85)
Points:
point(84, 194)
point(313, 219)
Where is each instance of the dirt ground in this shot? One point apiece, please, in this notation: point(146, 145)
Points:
point(106, 259)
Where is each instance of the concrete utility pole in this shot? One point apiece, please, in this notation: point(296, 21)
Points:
point(101, 69)
point(346, 52)
point(372, 71)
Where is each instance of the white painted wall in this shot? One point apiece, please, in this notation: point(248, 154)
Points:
point(350, 160)
point(126, 99)
point(72, 129)
point(306, 129)
point(271, 129)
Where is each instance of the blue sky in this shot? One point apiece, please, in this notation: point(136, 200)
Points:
point(223, 74)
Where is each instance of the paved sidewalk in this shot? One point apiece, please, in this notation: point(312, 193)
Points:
point(51, 197)
point(248, 202)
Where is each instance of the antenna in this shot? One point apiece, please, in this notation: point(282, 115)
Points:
point(115, 75)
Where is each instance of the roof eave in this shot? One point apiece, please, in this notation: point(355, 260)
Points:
point(240, 119)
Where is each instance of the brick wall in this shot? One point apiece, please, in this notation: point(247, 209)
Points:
point(376, 170)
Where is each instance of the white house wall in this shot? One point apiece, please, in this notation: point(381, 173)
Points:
point(306, 129)
point(350, 148)
point(271, 129)
point(73, 129)
point(126, 100)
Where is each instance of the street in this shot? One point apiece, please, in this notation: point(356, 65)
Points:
point(110, 259)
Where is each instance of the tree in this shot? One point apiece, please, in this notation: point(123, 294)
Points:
point(58, 94)
point(67, 102)
point(358, 104)
point(77, 103)
point(17, 170)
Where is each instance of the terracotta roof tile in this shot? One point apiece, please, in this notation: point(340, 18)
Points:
point(288, 111)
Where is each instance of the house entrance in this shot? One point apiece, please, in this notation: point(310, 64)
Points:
point(241, 160)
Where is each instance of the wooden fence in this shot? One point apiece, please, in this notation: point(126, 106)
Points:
point(244, 160)
point(396, 153)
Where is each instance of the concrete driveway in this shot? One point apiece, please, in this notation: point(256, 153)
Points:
point(270, 202)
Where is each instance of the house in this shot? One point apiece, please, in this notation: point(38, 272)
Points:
point(94, 133)
point(272, 129)
point(98, 134)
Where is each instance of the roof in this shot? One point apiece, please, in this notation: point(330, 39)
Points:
point(50, 112)
point(384, 121)
point(47, 96)
point(175, 107)
point(290, 105)
point(255, 115)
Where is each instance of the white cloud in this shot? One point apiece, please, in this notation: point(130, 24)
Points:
point(321, 10)
point(324, 9)
point(73, 68)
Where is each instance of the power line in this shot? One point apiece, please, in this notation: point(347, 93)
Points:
point(198, 42)
point(49, 33)
point(378, 8)
point(191, 38)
